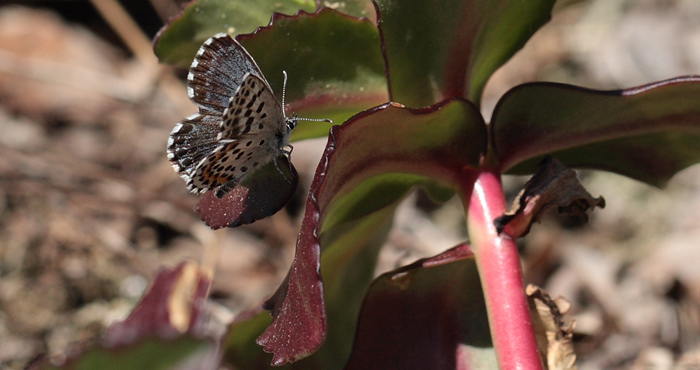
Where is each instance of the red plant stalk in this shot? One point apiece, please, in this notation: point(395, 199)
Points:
point(501, 276)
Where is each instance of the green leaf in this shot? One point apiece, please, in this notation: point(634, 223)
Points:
point(240, 350)
point(398, 146)
point(178, 41)
point(147, 354)
point(355, 8)
point(334, 63)
point(348, 262)
point(449, 48)
point(648, 133)
point(371, 162)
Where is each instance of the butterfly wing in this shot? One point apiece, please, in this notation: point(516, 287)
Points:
point(191, 141)
point(228, 164)
point(253, 131)
point(254, 109)
point(217, 72)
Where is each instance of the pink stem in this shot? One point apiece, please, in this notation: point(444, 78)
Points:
point(501, 277)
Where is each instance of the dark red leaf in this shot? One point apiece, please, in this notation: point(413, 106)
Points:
point(260, 195)
point(173, 305)
point(427, 315)
point(299, 325)
point(166, 330)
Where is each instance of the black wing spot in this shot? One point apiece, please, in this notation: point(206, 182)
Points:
point(252, 102)
point(248, 125)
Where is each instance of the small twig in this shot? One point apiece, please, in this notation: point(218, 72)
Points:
point(132, 36)
point(164, 8)
point(127, 30)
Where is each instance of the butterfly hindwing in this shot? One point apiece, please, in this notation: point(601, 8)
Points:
point(217, 71)
point(230, 162)
point(192, 140)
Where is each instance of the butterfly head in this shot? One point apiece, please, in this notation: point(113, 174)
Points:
point(294, 119)
point(291, 121)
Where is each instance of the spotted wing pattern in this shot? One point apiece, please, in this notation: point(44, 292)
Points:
point(253, 132)
point(253, 110)
point(192, 140)
point(217, 71)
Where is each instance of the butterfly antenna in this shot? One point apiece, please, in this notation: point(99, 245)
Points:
point(315, 119)
point(284, 107)
point(284, 90)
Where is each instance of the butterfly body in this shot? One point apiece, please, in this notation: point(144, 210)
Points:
point(240, 127)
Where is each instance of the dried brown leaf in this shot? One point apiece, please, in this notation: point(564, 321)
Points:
point(554, 336)
point(554, 185)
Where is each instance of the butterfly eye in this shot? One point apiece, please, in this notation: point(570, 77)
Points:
point(292, 122)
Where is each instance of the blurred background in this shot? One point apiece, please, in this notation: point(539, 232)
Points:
point(90, 207)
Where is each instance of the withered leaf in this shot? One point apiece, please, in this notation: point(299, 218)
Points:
point(554, 185)
point(554, 336)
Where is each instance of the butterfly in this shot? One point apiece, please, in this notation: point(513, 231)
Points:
point(241, 125)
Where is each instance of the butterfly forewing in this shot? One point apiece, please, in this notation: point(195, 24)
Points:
point(217, 71)
point(253, 110)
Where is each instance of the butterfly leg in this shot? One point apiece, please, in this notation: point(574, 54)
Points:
point(288, 152)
